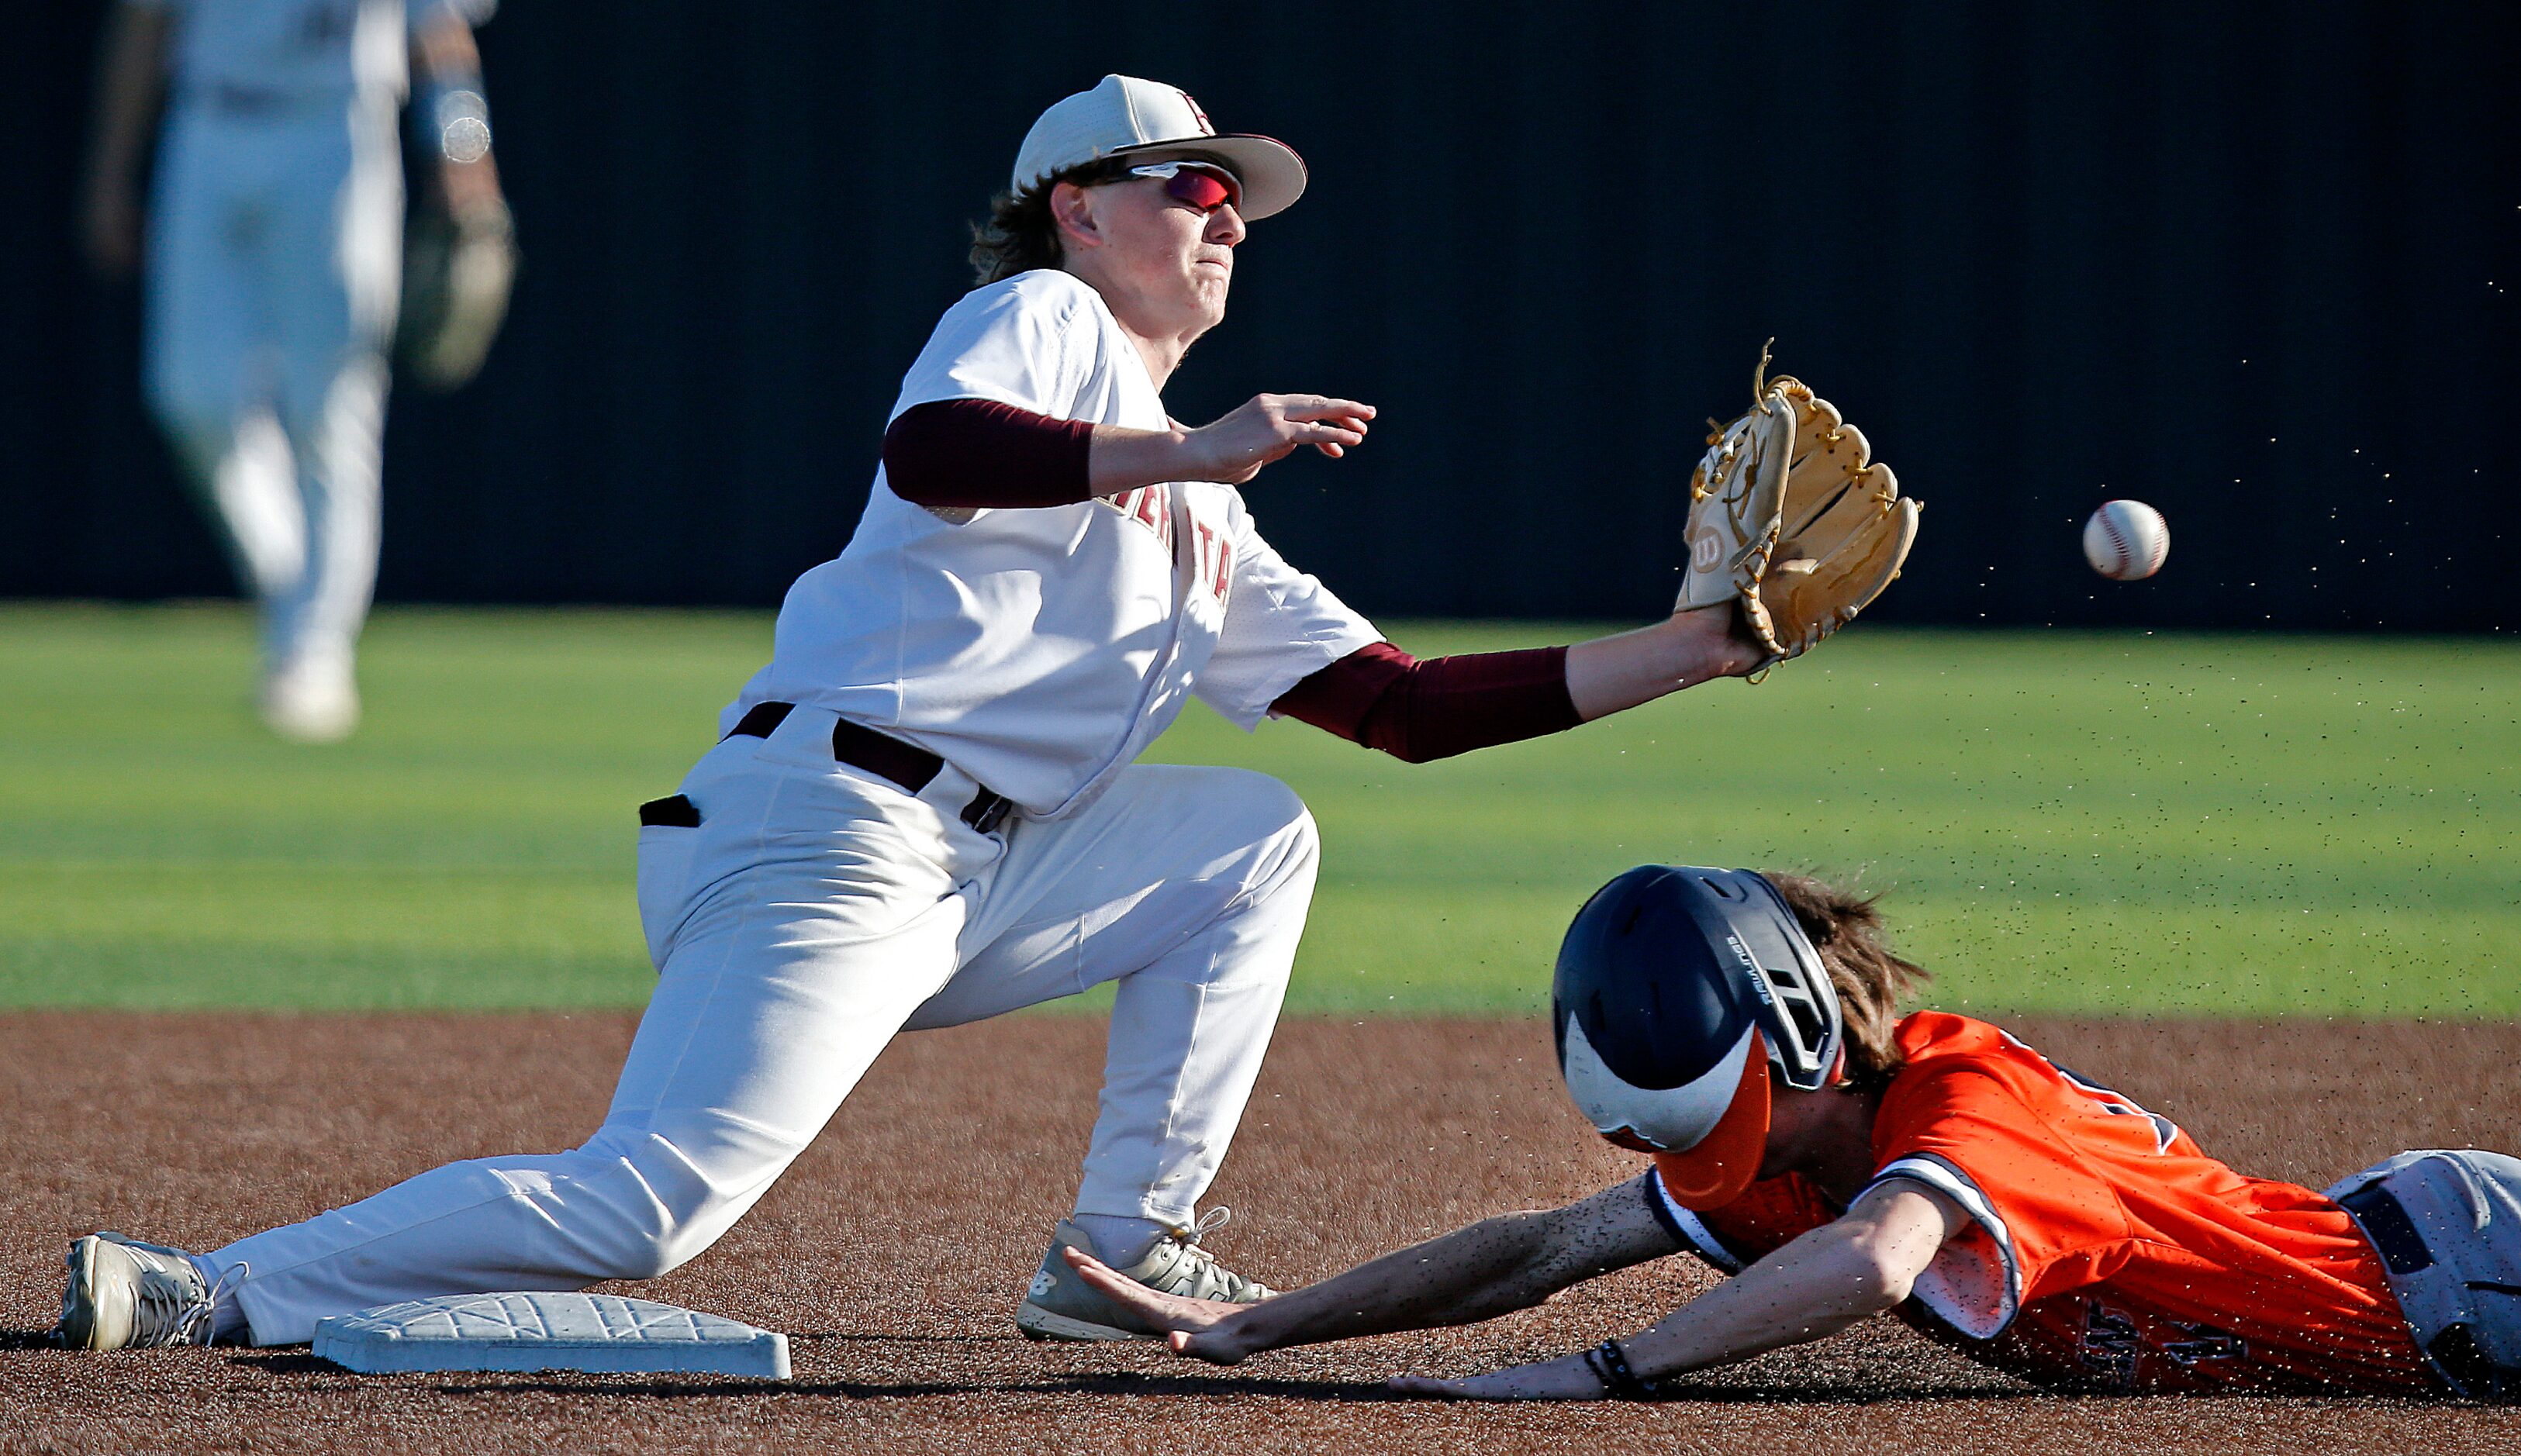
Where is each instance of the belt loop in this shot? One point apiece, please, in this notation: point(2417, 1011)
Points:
point(986, 810)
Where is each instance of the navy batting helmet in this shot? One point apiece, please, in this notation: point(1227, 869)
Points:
point(1681, 992)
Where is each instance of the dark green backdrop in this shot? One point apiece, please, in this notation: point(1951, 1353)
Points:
point(2249, 261)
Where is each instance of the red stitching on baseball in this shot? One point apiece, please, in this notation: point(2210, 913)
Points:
point(2118, 542)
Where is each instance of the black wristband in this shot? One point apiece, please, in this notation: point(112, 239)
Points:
point(1610, 1365)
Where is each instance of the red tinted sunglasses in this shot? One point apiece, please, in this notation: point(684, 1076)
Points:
point(1201, 185)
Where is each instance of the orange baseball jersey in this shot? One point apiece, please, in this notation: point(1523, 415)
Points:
point(2105, 1250)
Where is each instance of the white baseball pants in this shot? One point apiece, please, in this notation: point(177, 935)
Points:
point(275, 259)
point(816, 911)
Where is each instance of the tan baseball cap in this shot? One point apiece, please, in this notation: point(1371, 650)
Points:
point(1151, 122)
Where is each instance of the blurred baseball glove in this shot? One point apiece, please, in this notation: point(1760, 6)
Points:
point(1791, 514)
point(457, 268)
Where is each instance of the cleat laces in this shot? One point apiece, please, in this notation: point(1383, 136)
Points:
point(1199, 1276)
point(1209, 1222)
point(194, 1322)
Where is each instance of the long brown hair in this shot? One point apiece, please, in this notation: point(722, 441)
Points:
point(1020, 234)
point(1847, 929)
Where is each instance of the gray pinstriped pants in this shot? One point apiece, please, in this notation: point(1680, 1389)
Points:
point(2447, 1225)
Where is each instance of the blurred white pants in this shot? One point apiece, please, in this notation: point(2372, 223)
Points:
point(816, 911)
point(275, 259)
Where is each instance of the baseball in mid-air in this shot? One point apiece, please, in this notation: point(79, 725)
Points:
point(2126, 540)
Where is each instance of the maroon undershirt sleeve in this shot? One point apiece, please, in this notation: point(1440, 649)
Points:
point(978, 453)
point(1383, 697)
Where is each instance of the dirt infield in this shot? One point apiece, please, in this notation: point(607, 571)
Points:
point(893, 1251)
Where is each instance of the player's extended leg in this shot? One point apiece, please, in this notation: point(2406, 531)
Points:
point(208, 362)
point(334, 255)
point(797, 927)
point(1189, 888)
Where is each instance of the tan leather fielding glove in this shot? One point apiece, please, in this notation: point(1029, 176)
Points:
point(457, 272)
point(1791, 515)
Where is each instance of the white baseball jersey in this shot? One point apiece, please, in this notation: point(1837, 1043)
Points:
point(1041, 650)
point(308, 50)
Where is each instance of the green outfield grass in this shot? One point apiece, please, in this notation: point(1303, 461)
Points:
point(2064, 821)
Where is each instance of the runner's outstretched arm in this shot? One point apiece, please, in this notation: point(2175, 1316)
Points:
point(1859, 1265)
point(1496, 1266)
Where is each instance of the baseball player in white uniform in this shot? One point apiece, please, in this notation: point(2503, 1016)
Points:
point(273, 244)
point(925, 809)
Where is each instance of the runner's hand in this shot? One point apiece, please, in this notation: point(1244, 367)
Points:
point(1200, 1328)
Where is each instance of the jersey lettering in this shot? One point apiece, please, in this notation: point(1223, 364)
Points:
point(2203, 1343)
point(1213, 551)
point(2109, 1347)
point(1214, 559)
point(1151, 507)
point(2118, 1343)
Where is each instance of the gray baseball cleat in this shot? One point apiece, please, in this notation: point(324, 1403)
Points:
point(126, 1294)
point(1060, 1306)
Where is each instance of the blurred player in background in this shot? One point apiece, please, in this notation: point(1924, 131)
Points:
point(273, 244)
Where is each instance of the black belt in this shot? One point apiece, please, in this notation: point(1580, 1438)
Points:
point(2402, 1246)
point(857, 746)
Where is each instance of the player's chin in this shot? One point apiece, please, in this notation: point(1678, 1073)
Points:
point(1211, 303)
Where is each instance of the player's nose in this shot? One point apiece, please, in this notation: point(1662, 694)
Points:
point(1224, 226)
